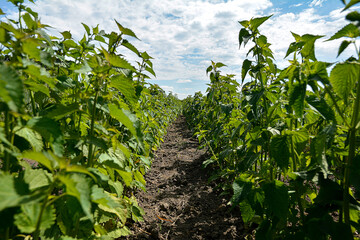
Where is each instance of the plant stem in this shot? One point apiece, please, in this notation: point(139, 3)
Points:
point(90, 156)
point(44, 205)
point(7, 134)
point(351, 156)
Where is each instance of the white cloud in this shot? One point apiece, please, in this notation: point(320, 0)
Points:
point(184, 81)
point(315, 3)
point(184, 35)
point(168, 88)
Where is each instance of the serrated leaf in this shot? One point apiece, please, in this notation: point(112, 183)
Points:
point(11, 88)
point(12, 191)
point(26, 221)
point(126, 176)
point(351, 3)
point(50, 130)
point(128, 119)
point(31, 136)
point(219, 65)
point(247, 213)
point(297, 98)
point(349, 30)
point(240, 189)
point(318, 155)
point(244, 37)
point(109, 203)
point(344, 44)
point(321, 107)
point(37, 178)
point(66, 35)
point(117, 187)
point(86, 28)
point(131, 47)
point(308, 51)
point(343, 78)
point(256, 22)
point(126, 31)
point(245, 68)
point(82, 185)
point(30, 23)
point(30, 47)
point(70, 185)
point(40, 158)
point(279, 150)
point(125, 86)
point(62, 111)
point(277, 198)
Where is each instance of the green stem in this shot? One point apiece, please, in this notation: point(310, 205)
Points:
point(7, 134)
point(44, 205)
point(351, 156)
point(90, 156)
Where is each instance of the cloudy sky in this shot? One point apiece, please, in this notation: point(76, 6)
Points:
point(183, 36)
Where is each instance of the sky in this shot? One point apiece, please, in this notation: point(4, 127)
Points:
point(184, 36)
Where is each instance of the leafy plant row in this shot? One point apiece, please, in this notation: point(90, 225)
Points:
point(78, 127)
point(286, 145)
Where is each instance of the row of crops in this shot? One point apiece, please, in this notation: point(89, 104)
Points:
point(78, 127)
point(285, 147)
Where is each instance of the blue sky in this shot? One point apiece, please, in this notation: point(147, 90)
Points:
point(185, 35)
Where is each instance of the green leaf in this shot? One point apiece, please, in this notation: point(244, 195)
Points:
point(31, 136)
point(343, 78)
point(50, 130)
point(125, 86)
point(62, 111)
point(117, 61)
point(349, 30)
point(126, 176)
point(245, 68)
point(279, 150)
point(86, 28)
point(247, 213)
point(297, 94)
point(82, 184)
point(318, 153)
point(126, 31)
point(66, 35)
point(219, 65)
point(343, 46)
point(11, 88)
point(256, 22)
point(70, 184)
point(26, 221)
point(30, 23)
point(128, 119)
point(244, 37)
point(37, 178)
point(351, 3)
point(1, 12)
point(277, 198)
point(321, 106)
point(30, 47)
point(131, 47)
point(353, 16)
point(116, 187)
point(109, 203)
point(308, 51)
point(40, 158)
point(240, 189)
point(12, 191)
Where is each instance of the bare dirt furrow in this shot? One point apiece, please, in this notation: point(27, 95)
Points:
point(179, 202)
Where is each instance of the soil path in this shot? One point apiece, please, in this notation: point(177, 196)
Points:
point(179, 202)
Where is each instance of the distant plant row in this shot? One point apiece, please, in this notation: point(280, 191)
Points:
point(286, 146)
point(78, 124)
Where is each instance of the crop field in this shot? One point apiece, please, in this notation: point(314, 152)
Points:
point(89, 149)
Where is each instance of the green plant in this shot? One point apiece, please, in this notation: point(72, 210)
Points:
point(78, 126)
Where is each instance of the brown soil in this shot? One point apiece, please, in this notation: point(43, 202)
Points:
point(179, 202)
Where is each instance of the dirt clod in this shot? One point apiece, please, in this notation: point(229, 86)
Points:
point(179, 202)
